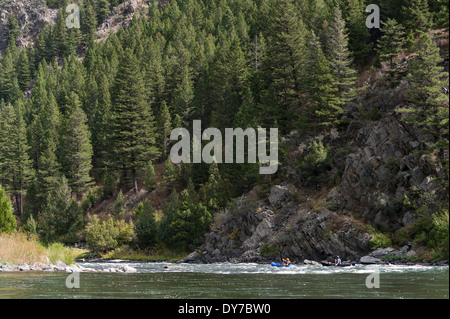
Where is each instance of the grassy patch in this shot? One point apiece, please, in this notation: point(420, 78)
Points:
point(18, 248)
point(58, 252)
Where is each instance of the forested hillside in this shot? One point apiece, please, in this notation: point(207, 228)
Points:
point(85, 119)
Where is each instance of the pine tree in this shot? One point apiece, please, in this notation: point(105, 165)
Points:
point(286, 51)
point(61, 217)
point(46, 136)
point(441, 13)
point(33, 115)
point(323, 105)
point(145, 225)
point(155, 81)
point(228, 80)
point(72, 78)
point(416, 15)
point(76, 148)
point(15, 165)
point(391, 42)
point(7, 220)
point(88, 21)
point(30, 228)
point(119, 205)
point(184, 222)
point(184, 94)
point(165, 232)
point(427, 78)
point(74, 38)
point(358, 34)
point(339, 57)
point(5, 128)
point(169, 174)
point(103, 10)
point(215, 191)
point(164, 128)
point(100, 127)
point(60, 35)
point(23, 70)
point(132, 125)
point(150, 181)
point(12, 29)
point(9, 86)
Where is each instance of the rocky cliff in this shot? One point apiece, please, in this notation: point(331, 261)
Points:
point(262, 230)
point(31, 15)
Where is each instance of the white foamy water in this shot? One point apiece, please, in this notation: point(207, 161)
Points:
point(253, 268)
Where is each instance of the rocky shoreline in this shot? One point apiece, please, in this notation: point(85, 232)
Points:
point(62, 267)
point(365, 260)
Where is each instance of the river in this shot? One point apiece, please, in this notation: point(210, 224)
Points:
point(233, 281)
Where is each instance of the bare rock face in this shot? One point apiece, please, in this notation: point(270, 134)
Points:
point(278, 194)
point(254, 232)
point(31, 16)
point(382, 169)
point(121, 16)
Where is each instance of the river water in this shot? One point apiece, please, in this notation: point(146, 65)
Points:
point(233, 281)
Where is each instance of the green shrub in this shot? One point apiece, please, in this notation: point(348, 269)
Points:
point(268, 251)
point(30, 227)
point(379, 240)
point(316, 163)
point(62, 217)
point(101, 235)
point(441, 232)
point(104, 235)
point(90, 200)
point(119, 205)
point(150, 182)
point(145, 226)
point(125, 232)
point(7, 220)
point(59, 252)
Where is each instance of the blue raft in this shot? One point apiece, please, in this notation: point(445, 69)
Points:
point(281, 266)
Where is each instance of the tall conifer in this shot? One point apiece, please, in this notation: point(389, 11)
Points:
point(132, 125)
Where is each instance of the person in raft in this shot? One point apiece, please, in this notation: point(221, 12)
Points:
point(286, 262)
point(338, 261)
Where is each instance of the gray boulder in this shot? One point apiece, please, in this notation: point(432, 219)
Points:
point(370, 260)
point(277, 195)
point(311, 262)
point(127, 269)
point(6, 267)
point(193, 257)
point(382, 252)
point(24, 267)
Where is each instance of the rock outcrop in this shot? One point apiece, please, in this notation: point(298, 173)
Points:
point(385, 167)
point(258, 231)
point(31, 16)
